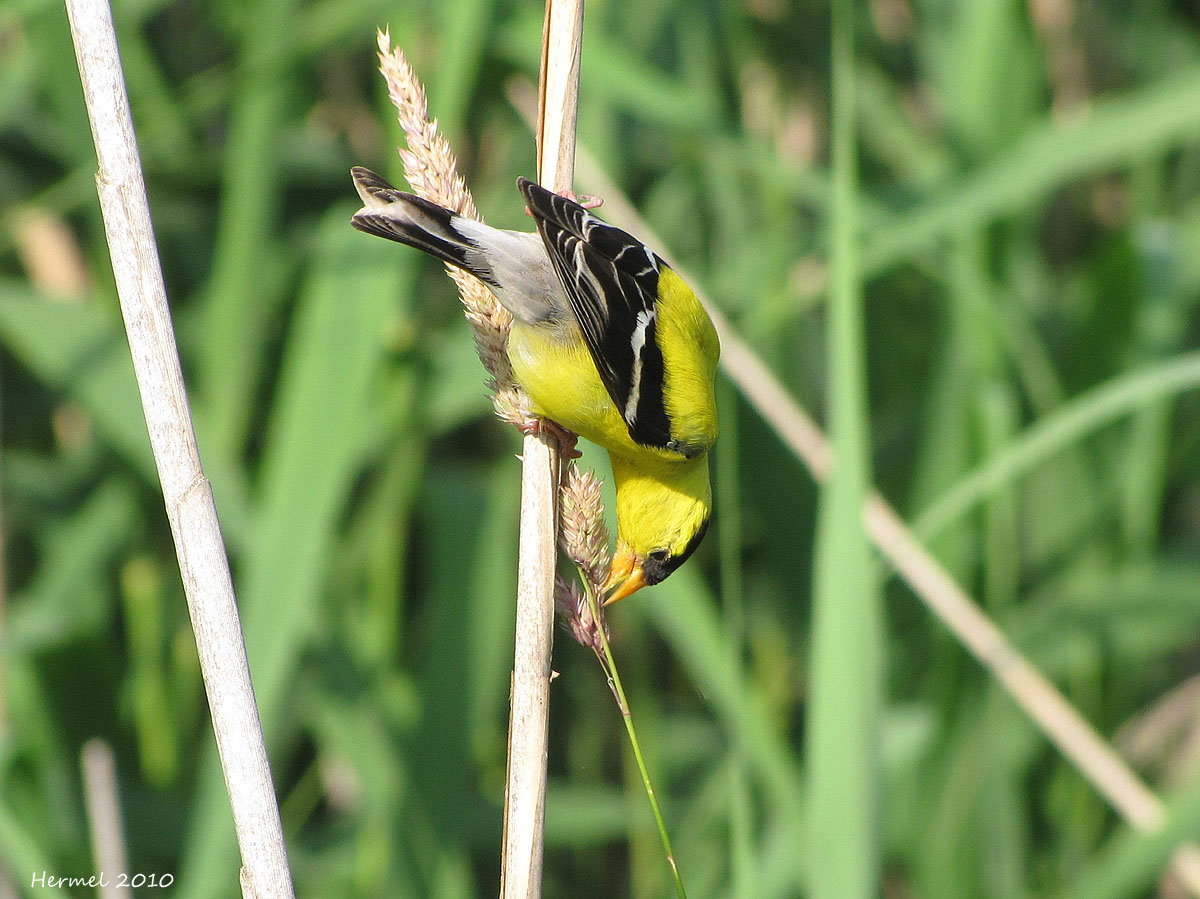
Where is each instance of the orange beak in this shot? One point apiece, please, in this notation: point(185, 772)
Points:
point(625, 577)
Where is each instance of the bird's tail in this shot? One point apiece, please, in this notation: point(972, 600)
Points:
point(408, 219)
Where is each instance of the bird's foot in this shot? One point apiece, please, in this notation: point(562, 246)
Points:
point(533, 426)
point(587, 201)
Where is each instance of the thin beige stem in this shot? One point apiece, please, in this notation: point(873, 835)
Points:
point(186, 492)
point(104, 817)
point(525, 789)
point(1046, 706)
point(525, 795)
point(558, 95)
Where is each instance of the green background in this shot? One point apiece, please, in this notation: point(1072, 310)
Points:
point(1029, 220)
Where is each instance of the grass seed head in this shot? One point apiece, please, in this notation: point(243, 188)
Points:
point(575, 613)
point(584, 536)
point(432, 172)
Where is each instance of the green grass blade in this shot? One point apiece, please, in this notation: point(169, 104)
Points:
point(729, 537)
point(1132, 862)
point(685, 615)
point(323, 425)
point(846, 666)
point(246, 254)
point(1112, 133)
point(1055, 432)
point(80, 349)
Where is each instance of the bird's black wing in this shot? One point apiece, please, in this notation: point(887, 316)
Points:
point(611, 281)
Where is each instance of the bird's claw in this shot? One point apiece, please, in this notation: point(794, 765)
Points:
point(587, 201)
point(534, 426)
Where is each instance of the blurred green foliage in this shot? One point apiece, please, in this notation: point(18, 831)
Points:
point(1030, 206)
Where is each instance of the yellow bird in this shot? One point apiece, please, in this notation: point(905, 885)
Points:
point(606, 340)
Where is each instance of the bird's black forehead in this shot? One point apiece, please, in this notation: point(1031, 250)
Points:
point(655, 572)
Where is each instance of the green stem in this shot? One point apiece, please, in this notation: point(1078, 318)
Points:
point(609, 664)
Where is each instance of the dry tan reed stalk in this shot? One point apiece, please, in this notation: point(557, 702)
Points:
point(433, 174)
point(525, 785)
point(104, 816)
point(187, 494)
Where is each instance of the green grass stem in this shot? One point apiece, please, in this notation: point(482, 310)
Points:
point(609, 663)
point(845, 702)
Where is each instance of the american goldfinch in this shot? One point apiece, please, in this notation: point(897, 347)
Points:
point(606, 340)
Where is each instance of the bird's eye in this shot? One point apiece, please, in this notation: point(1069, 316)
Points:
point(660, 555)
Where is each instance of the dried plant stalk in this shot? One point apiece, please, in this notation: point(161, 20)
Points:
point(104, 815)
point(432, 171)
point(525, 794)
point(186, 492)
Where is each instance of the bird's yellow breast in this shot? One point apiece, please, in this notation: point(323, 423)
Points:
point(563, 384)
